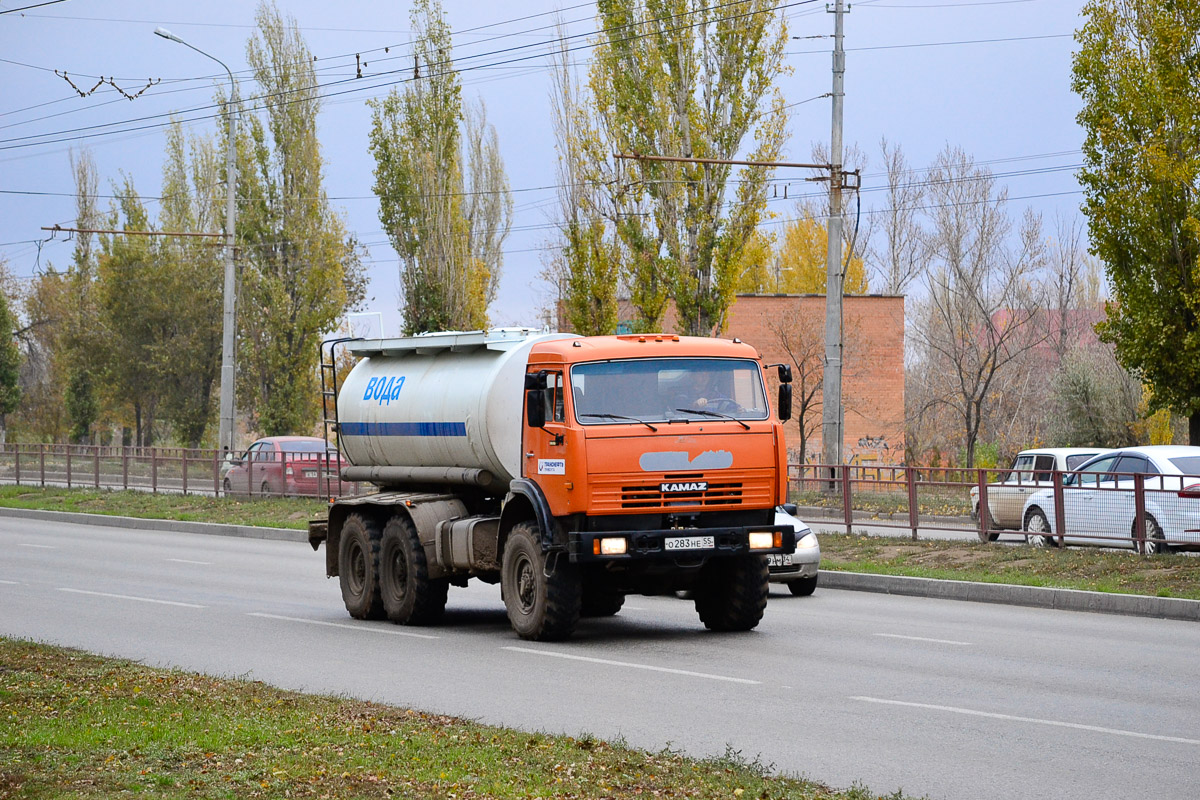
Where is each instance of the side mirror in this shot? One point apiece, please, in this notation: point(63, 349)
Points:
point(535, 380)
point(535, 407)
point(785, 402)
point(784, 371)
point(789, 508)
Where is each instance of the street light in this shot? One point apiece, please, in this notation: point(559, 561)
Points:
point(228, 357)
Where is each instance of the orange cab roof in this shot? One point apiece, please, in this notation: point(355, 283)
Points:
point(634, 345)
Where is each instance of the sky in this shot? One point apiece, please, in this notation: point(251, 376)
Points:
point(989, 76)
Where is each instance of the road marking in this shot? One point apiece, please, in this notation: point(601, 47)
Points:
point(131, 597)
point(920, 639)
point(38, 546)
point(1052, 722)
point(631, 665)
point(186, 561)
point(360, 628)
point(10, 583)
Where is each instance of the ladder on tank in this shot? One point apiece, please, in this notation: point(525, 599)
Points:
point(329, 390)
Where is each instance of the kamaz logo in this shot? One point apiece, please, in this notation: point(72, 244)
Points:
point(385, 390)
point(693, 486)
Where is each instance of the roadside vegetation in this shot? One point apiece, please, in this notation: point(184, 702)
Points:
point(81, 726)
point(1091, 569)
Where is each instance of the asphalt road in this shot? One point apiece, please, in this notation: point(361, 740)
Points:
point(953, 700)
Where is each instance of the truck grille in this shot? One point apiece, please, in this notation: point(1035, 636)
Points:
point(649, 496)
point(622, 494)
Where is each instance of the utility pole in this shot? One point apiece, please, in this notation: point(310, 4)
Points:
point(831, 387)
point(229, 321)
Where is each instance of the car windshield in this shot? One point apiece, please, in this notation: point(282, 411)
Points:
point(667, 389)
point(1188, 465)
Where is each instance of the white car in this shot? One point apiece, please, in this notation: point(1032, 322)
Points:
point(799, 569)
point(1099, 503)
point(1031, 470)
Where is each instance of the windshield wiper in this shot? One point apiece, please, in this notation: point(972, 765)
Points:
point(713, 414)
point(618, 416)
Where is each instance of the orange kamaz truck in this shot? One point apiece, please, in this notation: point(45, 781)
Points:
point(571, 470)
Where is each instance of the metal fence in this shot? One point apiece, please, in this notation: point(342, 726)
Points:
point(1151, 513)
point(174, 470)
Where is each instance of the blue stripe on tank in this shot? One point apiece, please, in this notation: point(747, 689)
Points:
point(403, 428)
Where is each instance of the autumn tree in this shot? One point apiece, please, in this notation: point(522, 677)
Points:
point(444, 198)
point(300, 268)
point(899, 257)
point(981, 293)
point(10, 360)
point(1136, 75)
point(681, 78)
point(798, 265)
point(801, 336)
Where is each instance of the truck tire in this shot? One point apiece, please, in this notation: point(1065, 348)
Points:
point(731, 594)
point(542, 599)
point(599, 602)
point(358, 567)
point(410, 597)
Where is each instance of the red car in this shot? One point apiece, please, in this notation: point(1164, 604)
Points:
point(286, 465)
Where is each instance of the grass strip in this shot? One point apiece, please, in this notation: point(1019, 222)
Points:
point(1091, 569)
point(80, 726)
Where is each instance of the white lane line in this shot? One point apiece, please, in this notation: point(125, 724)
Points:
point(186, 561)
point(10, 583)
point(391, 631)
point(920, 639)
point(1009, 717)
point(631, 665)
point(131, 597)
point(38, 546)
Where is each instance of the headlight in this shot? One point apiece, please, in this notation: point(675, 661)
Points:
point(764, 540)
point(807, 541)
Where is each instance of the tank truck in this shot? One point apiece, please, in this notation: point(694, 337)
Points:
point(570, 470)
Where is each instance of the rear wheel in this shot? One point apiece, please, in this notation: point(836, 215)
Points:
point(227, 487)
point(1156, 542)
point(358, 567)
point(1037, 529)
point(731, 593)
point(986, 526)
point(541, 593)
point(803, 587)
point(409, 596)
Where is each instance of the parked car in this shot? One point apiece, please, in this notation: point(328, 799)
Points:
point(285, 465)
point(1031, 470)
point(799, 569)
point(1099, 503)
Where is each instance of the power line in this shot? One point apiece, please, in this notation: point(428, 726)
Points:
point(35, 5)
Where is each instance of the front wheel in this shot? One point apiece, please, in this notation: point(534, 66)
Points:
point(1155, 543)
point(731, 593)
point(409, 596)
point(1037, 529)
point(542, 592)
point(986, 534)
point(803, 587)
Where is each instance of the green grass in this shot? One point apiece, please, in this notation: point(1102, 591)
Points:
point(272, 512)
point(1092, 569)
point(80, 726)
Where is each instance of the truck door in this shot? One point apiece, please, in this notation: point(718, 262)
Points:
point(545, 448)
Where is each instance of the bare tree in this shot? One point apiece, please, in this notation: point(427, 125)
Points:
point(981, 294)
point(900, 258)
point(801, 336)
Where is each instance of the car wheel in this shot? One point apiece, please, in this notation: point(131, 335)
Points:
point(1156, 542)
point(227, 487)
point(803, 587)
point(986, 534)
point(1037, 529)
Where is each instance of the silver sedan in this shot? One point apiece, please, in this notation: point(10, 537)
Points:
point(798, 570)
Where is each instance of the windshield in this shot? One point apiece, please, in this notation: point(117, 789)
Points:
point(667, 389)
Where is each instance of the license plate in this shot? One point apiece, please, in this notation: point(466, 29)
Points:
point(310, 473)
point(689, 543)
point(784, 560)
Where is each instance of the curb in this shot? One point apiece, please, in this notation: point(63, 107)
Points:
point(1009, 594)
point(172, 525)
point(1003, 593)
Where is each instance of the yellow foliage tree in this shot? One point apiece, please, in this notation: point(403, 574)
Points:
point(798, 265)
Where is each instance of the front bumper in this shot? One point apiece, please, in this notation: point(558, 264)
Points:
point(651, 545)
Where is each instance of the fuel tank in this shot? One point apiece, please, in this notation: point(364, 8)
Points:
point(444, 407)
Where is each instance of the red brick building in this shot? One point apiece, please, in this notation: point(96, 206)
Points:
point(791, 329)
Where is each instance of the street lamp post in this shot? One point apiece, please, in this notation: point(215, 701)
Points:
point(228, 357)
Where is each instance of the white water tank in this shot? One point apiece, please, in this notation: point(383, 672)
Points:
point(439, 408)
